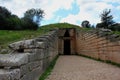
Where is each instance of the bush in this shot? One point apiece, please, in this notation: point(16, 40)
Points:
point(13, 22)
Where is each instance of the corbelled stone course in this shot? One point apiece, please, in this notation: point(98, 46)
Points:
point(99, 44)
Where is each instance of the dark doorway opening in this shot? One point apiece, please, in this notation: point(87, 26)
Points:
point(67, 47)
point(67, 50)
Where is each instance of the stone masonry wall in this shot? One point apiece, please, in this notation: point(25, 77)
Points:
point(99, 44)
point(29, 58)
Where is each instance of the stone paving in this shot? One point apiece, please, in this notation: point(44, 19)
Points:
point(79, 68)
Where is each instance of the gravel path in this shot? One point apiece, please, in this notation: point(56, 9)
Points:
point(79, 68)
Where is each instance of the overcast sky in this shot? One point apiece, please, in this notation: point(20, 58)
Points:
point(71, 11)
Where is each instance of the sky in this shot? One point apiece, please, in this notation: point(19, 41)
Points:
point(70, 11)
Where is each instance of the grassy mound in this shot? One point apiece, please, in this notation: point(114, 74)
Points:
point(8, 36)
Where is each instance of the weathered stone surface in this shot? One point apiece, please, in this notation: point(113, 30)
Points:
point(33, 75)
point(29, 67)
point(34, 48)
point(24, 69)
point(13, 59)
point(13, 74)
point(105, 30)
point(30, 58)
point(36, 56)
point(35, 64)
point(46, 62)
point(40, 54)
point(22, 44)
point(4, 51)
point(40, 45)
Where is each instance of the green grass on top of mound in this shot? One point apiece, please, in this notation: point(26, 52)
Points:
point(60, 25)
point(8, 36)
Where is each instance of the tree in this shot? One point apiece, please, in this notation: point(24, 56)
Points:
point(35, 15)
point(92, 26)
point(115, 27)
point(14, 23)
point(99, 25)
point(28, 24)
point(31, 19)
point(85, 24)
point(4, 15)
point(106, 19)
point(4, 12)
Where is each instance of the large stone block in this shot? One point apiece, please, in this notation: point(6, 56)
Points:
point(35, 64)
point(10, 60)
point(13, 74)
point(32, 57)
point(22, 44)
point(115, 57)
point(40, 45)
point(38, 55)
point(33, 75)
point(116, 48)
point(25, 69)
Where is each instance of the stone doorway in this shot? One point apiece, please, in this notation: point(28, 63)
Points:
point(67, 41)
point(67, 49)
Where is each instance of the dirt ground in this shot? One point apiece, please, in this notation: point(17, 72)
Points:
point(79, 68)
